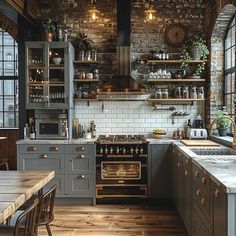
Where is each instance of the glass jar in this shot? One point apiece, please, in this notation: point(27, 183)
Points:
point(94, 55)
point(165, 94)
point(178, 93)
point(158, 94)
point(200, 93)
point(185, 92)
point(96, 74)
point(193, 93)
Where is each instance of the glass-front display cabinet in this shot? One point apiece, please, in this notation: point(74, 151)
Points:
point(49, 75)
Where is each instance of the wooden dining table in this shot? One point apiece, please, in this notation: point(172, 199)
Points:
point(16, 187)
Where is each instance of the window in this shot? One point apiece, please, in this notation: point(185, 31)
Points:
point(8, 81)
point(229, 65)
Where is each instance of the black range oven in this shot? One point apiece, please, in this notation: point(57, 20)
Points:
point(121, 166)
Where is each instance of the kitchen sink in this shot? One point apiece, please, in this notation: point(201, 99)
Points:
point(213, 151)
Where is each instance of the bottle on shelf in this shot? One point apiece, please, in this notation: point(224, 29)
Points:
point(26, 131)
point(32, 132)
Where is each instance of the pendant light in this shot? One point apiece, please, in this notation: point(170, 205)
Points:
point(150, 13)
point(94, 13)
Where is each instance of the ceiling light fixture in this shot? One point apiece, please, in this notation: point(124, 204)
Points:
point(94, 13)
point(149, 13)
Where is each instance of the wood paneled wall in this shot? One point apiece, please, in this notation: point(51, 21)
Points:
point(8, 146)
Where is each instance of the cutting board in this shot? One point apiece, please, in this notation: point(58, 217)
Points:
point(199, 143)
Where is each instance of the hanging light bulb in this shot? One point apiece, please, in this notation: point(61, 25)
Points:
point(94, 13)
point(149, 13)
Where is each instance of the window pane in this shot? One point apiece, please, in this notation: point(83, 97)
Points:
point(228, 40)
point(233, 56)
point(228, 59)
point(9, 87)
point(228, 84)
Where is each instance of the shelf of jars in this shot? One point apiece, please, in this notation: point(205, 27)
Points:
point(174, 100)
point(87, 80)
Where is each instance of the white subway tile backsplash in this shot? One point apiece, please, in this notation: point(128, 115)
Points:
point(133, 116)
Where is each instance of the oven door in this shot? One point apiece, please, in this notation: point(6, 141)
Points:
point(120, 170)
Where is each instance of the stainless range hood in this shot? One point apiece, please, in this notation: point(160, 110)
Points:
point(122, 82)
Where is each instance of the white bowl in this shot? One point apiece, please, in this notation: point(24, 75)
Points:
point(57, 60)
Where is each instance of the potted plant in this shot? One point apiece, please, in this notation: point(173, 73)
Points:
point(195, 48)
point(82, 44)
point(48, 30)
point(223, 121)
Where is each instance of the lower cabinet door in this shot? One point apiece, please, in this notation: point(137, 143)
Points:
point(200, 226)
point(81, 185)
point(59, 181)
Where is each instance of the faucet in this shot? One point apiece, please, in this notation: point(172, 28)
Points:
point(234, 126)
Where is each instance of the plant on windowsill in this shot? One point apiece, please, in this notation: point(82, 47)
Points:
point(223, 121)
point(48, 28)
point(194, 48)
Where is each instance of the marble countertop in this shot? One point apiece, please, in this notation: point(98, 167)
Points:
point(221, 168)
point(54, 141)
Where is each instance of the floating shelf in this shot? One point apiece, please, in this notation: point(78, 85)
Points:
point(85, 62)
point(174, 80)
point(87, 80)
point(173, 61)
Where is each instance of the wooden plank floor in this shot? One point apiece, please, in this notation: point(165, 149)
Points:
point(115, 220)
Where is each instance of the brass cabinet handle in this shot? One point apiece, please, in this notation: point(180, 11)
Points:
point(186, 173)
point(217, 193)
point(43, 156)
point(53, 149)
point(196, 173)
point(203, 201)
point(31, 149)
point(80, 177)
point(198, 192)
point(203, 179)
point(80, 149)
point(80, 156)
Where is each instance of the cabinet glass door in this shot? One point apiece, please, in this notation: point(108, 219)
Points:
point(46, 75)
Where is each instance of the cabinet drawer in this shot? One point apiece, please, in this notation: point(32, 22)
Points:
point(201, 179)
point(201, 200)
point(82, 148)
point(81, 163)
point(81, 185)
point(59, 181)
point(43, 162)
point(41, 148)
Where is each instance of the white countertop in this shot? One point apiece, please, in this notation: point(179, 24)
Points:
point(54, 141)
point(221, 168)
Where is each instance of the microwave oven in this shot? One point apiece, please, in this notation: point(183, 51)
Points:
point(51, 129)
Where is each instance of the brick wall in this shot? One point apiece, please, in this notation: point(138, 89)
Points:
point(127, 116)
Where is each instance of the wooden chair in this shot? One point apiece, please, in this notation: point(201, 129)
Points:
point(45, 209)
point(24, 224)
point(4, 164)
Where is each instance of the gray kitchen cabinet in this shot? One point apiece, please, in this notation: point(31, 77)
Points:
point(219, 208)
point(49, 82)
point(74, 166)
point(201, 201)
point(44, 157)
point(182, 187)
point(158, 171)
point(81, 170)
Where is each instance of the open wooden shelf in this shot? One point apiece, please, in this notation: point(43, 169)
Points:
point(85, 62)
point(87, 80)
point(172, 61)
point(174, 80)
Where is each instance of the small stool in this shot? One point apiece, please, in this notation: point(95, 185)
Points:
point(4, 163)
